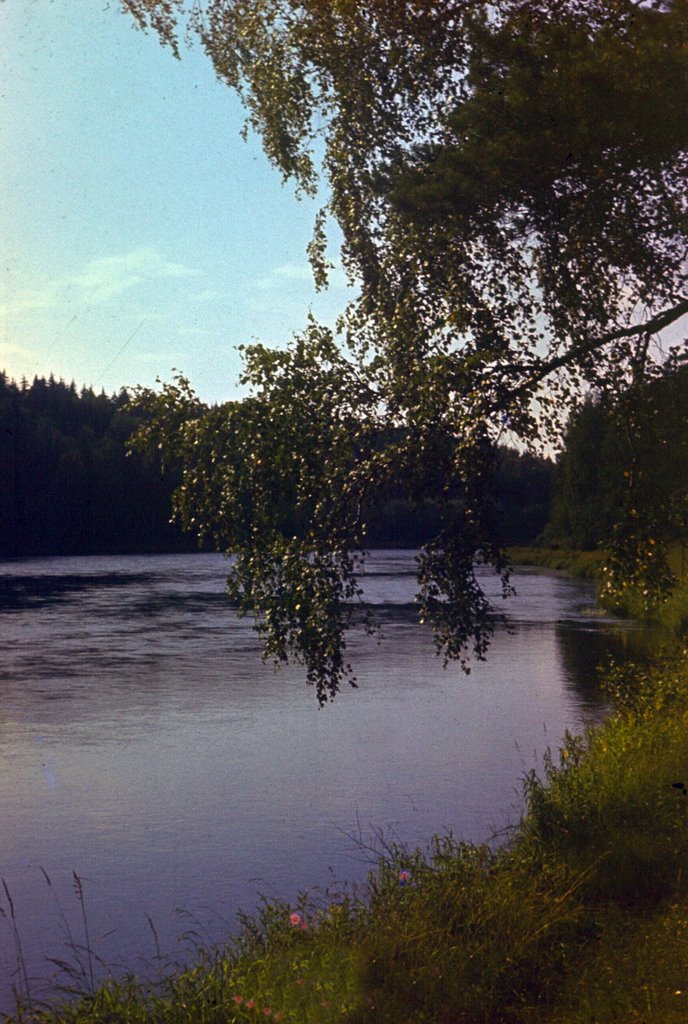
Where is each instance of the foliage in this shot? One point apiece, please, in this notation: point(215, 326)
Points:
point(622, 456)
point(589, 484)
point(585, 564)
point(246, 465)
point(68, 485)
point(509, 181)
point(282, 480)
point(523, 491)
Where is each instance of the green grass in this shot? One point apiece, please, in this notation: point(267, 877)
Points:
point(581, 918)
point(586, 564)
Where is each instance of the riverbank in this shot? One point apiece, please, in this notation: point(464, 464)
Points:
point(582, 916)
point(584, 564)
point(671, 614)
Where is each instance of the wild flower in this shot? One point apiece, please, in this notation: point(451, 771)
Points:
point(296, 919)
point(300, 981)
point(404, 877)
point(267, 1011)
point(250, 1003)
point(238, 1000)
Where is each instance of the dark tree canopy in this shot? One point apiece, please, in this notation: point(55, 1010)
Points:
point(510, 183)
point(626, 464)
point(67, 483)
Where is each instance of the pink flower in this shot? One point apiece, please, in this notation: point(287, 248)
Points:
point(404, 877)
point(267, 1011)
point(238, 999)
point(251, 1003)
point(296, 919)
point(300, 981)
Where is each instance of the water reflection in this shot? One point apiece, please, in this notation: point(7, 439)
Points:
point(35, 591)
point(585, 651)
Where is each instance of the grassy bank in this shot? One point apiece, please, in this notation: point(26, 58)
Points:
point(586, 564)
point(671, 613)
point(582, 917)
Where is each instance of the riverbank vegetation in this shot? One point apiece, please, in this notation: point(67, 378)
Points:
point(617, 464)
point(582, 915)
point(585, 564)
point(669, 610)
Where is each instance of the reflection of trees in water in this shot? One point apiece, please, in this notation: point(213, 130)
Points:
point(583, 651)
point(19, 592)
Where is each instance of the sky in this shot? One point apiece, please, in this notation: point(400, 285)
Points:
point(139, 233)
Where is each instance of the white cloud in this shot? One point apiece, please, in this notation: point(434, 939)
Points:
point(105, 278)
point(278, 276)
point(97, 283)
point(285, 272)
point(27, 300)
point(294, 271)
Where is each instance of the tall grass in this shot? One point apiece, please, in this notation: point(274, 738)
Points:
point(582, 916)
point(22, 991)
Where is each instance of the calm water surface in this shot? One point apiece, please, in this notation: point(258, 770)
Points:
point(144, 745)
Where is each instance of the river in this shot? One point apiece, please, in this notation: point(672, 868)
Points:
point(145, 746)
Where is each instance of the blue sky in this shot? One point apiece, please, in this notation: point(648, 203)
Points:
point(138, 232)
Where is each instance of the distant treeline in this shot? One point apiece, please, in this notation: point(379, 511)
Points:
point(624, 460)
point(522, 501)
point(68, 485)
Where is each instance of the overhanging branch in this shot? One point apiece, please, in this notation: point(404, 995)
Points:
point(577, 352)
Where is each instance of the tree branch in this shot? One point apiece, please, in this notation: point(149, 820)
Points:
point(586, 348)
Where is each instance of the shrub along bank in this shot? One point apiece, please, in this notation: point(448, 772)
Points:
point(672, 611)
point(581, 917)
